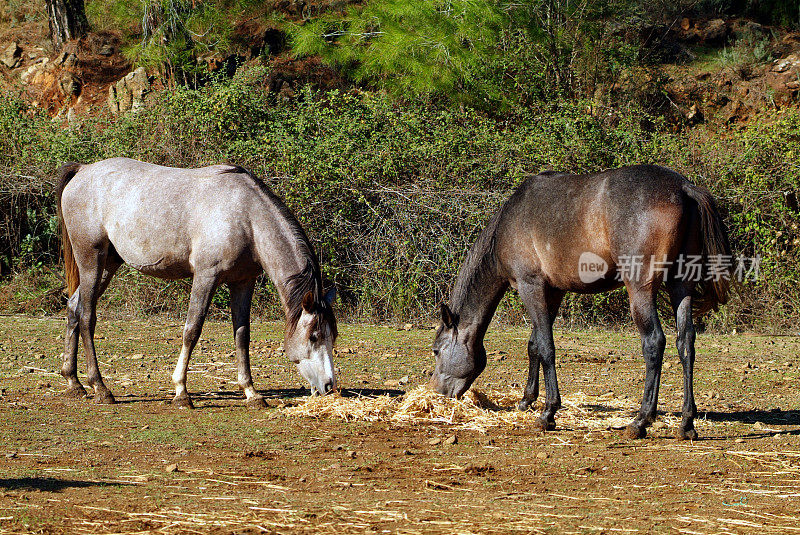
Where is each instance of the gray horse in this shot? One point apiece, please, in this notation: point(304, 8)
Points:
point(559, 233)
point(217, 224)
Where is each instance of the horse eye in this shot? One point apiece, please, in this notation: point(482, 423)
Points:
point(312, 338)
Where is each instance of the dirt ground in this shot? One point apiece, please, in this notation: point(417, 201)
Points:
point(70, 466)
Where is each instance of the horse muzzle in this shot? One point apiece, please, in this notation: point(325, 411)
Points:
point(322, 381)
point(447, 385)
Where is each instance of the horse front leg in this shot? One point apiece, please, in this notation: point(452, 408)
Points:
point(643, 309)
point(241, 298)
point(542, 303)
point(202, 289)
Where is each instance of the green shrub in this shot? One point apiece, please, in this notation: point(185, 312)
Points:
point(393, 195)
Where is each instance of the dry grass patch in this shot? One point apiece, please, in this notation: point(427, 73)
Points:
point(476, 410)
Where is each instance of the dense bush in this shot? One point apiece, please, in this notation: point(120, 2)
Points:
point(391, 195)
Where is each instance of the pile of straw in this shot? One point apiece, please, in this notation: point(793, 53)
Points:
point(476, 410)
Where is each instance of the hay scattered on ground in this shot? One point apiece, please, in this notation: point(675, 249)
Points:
point(476, 410)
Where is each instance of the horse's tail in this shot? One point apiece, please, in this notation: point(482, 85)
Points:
point(714, 237)
point(65, 174)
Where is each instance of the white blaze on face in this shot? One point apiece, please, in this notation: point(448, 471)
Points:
point(314, 359)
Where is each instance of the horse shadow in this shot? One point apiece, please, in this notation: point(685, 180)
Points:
point(51, 484)
point(771, 417)
point(214, 398)
point(772, 422)
point(220, 398)
point(766, 417)
point(284, 393)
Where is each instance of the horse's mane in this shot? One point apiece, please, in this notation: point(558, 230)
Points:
point(480, 265)
point(308, 279)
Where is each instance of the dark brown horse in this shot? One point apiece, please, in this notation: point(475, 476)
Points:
point(217, 225)
point(642, 226)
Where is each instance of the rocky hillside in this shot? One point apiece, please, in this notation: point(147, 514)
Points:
point(759, 71)
point(704, 70)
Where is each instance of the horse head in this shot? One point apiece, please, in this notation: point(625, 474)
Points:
point(460, 356)
point(310, 343)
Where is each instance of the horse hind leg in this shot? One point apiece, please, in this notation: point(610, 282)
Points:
point(202, 290)
point(95, 274)
point(645, 315)
point(69, 369)
point(531, 393)
point(681, 299)
point(241, 298)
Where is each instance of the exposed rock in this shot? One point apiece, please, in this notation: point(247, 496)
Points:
point(113, 102)
point(68, 60)
point(11, 56)
point(783, 88)
point(72, 119)
point(782, 80)
point(139, 85)
point(69, 84)
point(124, 96)
point(787, 63)
point(35, 53)
point(694, 115)
point(787, 44)
point(29, 74)
point(735, 111)
point(128, 93)
point(137, 80)
point(715, 31)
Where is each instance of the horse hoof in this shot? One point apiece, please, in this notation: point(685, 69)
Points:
point(183, 402)
point(635, 431)
point(104, 398)
point(256, 403)
point(686, 434)
point(75, 392)
point(524, 405)
point(544, 425)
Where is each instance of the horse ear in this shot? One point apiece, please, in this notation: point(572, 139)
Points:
point(308, 302)
point(330, 295)
point(448, 317)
